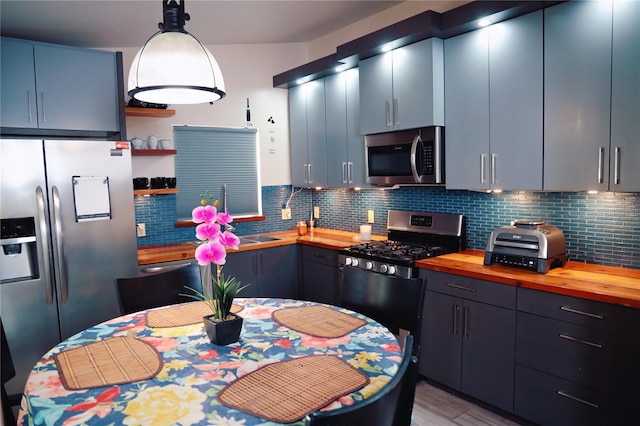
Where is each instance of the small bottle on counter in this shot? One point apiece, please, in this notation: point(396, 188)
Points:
point(302, 228)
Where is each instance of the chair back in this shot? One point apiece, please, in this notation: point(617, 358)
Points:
point(392, 301)
point(392, 406)
point(159, 289)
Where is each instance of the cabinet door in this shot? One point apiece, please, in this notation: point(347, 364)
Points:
point(515, 98)
point(467, 110)
point(441, 352)
point(337, 148)
point(320, 283)
point(278, 269)
point(298, 134)
point(488, 353)
point(418, 85)
point(376, 94)
point(77, 88)
point(356, 171)
point(577, 93)
point(18, 100)
point(316, 133)
point(625, 98)
point(243, 266)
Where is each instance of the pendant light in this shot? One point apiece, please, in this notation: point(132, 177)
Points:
point(173, 67)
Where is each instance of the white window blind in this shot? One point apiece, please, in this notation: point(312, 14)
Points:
point(209, 158)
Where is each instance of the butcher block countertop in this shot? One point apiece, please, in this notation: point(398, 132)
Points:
point(323, 238)
point(619, 286)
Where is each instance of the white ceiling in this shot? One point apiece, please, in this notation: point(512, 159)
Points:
point(121, 23)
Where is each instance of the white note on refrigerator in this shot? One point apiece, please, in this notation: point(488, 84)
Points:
point(91, 198)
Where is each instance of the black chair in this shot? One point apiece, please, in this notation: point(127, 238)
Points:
point(8, 373)
point(391, 406)
point(394, 302)
point(159, 289)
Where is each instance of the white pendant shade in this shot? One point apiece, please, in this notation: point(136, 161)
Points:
point(175, 68)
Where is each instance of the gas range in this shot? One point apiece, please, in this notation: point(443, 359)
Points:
point(411, 236)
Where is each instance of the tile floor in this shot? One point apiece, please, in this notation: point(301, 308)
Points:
point(435, 407)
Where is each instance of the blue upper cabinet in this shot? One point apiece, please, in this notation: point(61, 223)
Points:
point(308, 134)
point(345, 144)
point(18, 100)
point(577, 96)
point(403, 88)
point(493, 91)
point(624, 158)
point(47, 86)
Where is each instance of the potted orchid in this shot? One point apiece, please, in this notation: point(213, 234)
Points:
point(222, 326)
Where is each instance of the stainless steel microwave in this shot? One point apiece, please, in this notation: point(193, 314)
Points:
point(407, 156)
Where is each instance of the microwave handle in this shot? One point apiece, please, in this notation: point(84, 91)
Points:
point(414, 153)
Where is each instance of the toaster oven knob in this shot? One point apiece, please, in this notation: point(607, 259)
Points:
point(384, 268)
point(368, 265)
point(354, 262)
point(392, 270)
point(347, 261)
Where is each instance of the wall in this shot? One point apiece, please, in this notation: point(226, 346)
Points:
point(599, 228)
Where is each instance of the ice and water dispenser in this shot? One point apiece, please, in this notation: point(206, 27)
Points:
point(19, 255)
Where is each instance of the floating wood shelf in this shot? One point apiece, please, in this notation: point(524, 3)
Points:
point(152, 152)
point(162, 191)
point(148, 112)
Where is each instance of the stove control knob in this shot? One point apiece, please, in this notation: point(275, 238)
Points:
point(384, 268)
point(392, 270)
point(354, 262)
point(347, 261)
point(368, 265)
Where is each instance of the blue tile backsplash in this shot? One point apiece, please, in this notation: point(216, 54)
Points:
point(601, 228)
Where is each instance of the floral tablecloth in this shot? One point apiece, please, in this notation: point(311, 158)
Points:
point(195, 370)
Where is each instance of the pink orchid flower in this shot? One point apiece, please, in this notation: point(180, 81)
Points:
point(208, 231)
point(211, 252)
point(229, 239)
point(206, 214)
point(224, 218)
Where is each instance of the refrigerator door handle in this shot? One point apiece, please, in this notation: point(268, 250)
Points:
point(58, 250)
point(44, 246)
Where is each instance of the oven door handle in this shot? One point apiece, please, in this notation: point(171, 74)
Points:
point(414, 163)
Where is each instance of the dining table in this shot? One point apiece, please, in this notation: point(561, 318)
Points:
point(158, 367)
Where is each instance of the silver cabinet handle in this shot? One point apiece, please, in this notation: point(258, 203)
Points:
point(616, 166)
point(321, 256)
point(30, 107)
point(575, 311)
point(309, 167)
point(44, 245)
point(58, 248)
point(482, 159)
point(575, 398)
point(387, 113)
point(396, 112)
point(456, 308)
point(461, 287)
point(584, 342)
point(350, 172)
point(44, 108)
point(600, 164)
point(466, 322)
point(493, 169)
point(344, 172)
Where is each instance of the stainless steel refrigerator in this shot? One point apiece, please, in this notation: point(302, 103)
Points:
point(68, 231)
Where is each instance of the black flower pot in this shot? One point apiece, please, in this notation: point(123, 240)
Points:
point(223, 333)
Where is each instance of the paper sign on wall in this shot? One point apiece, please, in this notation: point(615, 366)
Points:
point(91, 198)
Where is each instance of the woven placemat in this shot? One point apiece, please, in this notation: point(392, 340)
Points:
point(110, 362)
point(320, 321)
point(287, 391)
point(178, 315)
